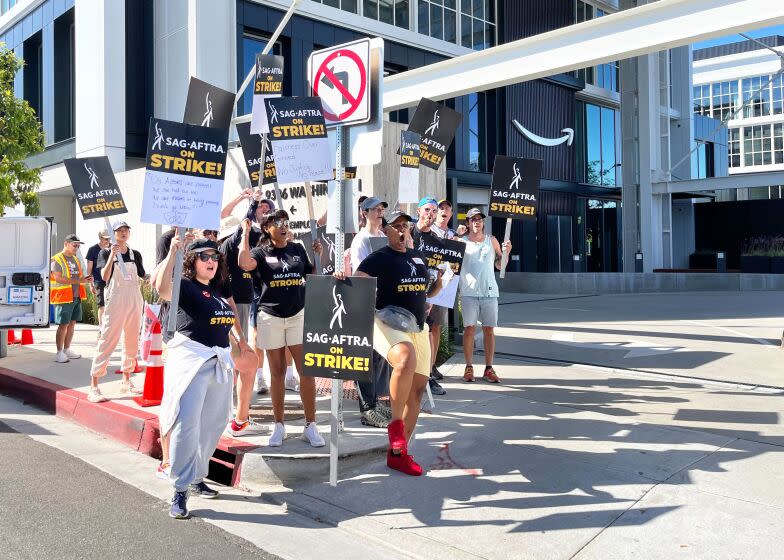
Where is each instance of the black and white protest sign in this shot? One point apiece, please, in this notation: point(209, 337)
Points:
point(514, 191)
point(328, 254)
point(410, 149)
point(439, 252)
point(338, 332)
point(437, 125)
point(183, 184)
point(267, 83)
point(299, 139)
point(208, 105)
point(251, 153)
point(95, 187)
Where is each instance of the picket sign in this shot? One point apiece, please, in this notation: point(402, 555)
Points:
point(504, 251)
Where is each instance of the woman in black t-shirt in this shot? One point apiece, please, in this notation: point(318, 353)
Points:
point(197, 396)
point(281, 267)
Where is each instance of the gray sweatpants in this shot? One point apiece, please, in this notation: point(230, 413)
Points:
point(204, 410)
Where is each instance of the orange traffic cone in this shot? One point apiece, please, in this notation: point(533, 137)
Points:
point(153, 380)
point(27, 337)
point(12, 337)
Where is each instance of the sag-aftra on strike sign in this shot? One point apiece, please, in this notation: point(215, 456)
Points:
point(514, 191)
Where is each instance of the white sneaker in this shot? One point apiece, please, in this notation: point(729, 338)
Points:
point(248, 428)
point(312, 436)
point(292, 380)
point(94, 395)
point(129, 387)
point(61, 357)
point(260, 386)
point(71, 354)
point(278, 435)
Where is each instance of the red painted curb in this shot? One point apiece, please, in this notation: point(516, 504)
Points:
point(137, 429)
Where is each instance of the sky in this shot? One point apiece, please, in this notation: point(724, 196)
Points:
point(764, 32)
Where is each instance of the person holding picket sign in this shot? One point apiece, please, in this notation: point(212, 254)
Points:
point(197, 395)
point(400, 332)
point(479, 292)
point(281, 267)
point(122, 316)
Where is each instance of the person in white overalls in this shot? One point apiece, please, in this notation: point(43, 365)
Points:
point(122, 316)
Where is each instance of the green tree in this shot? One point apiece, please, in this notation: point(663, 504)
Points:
point(20, 136)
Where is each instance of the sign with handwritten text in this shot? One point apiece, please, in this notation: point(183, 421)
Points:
point(183, 184)
point(299, 139)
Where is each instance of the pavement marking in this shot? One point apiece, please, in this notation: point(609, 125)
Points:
point(635, 348)
point(762, 341)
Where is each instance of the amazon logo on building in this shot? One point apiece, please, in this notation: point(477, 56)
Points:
point(568, 136)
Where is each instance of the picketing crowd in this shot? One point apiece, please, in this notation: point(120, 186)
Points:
point(241, 302)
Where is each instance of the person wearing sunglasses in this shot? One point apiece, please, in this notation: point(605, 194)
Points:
point(197, 396)
point(281, 267)
point(400, 333)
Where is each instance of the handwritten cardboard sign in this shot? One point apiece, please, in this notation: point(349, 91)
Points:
point(299, 139)
point(95, 187)
point(183, 184)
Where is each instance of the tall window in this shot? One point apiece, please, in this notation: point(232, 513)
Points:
point(438, 18)
point(6, 5)
point(725, 99)
point(393, 12)
point(477, 132)
point(756, 96)
point(607, 75)
point(778, 143)
point(64, 77)
point(251, 45)
point(733, 147)
point(756, 145)
point(702, 100)
point(778, 94)
point(32, 76)
point(600, 143)
point(477, 23)
point(348, 5)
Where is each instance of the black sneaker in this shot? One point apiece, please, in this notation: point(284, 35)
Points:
point(179, 506)
point(435, 388)
point(435, 374)
point(203, 491)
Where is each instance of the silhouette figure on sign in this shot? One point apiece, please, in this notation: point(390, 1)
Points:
point(338, 310)
point(208, 113)
point(158, 138)
point(433, 125)
point(516, 179)
point(93, 178)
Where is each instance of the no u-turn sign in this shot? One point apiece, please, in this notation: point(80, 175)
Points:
point(340, 76)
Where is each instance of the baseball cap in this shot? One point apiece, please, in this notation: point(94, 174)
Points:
point(269, 203)
point(228, 226)
point(474, 212)
point(372, 202)
point(201, 245)
point(427, 200)
point(72, 238)
point(445, 201)
point(394, 215)
point(117, 225)
point(104, 233)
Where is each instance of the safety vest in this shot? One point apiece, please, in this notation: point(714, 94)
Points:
point(63, 293)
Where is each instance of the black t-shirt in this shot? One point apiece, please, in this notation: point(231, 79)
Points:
point(241, 280)
point(280, 277)
point(162, 247)
point(401, 280)
point(103, 258)
point(204, 315)
point(92, 256)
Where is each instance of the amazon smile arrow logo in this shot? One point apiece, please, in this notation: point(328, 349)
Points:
point(568, 136)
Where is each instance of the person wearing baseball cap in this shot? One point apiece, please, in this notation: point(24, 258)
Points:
point(400, 332)
point(479, 292)
point(197, 396)
point(373, 412)
point(123, 311)
point(98, 285)
point(66, 292)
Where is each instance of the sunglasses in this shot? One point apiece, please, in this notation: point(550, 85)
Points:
point(204, 257)
point(280, 223)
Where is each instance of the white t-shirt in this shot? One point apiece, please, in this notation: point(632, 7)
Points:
point(448, 234)
point(361, 248)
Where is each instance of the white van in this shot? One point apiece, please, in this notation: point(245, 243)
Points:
point(25, 250)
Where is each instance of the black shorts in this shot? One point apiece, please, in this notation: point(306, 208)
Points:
point(99, 297)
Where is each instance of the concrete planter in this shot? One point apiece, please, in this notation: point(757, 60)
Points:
point(754, 264)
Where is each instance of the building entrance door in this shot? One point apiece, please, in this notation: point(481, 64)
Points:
point(602, 245)
point(559, 243)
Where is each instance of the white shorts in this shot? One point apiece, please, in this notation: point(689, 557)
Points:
point(479, 309)
point(277, 332)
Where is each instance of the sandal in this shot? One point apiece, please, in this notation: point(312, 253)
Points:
point(468, 375)
point(490, 375)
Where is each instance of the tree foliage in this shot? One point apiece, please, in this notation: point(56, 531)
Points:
point(20, 136)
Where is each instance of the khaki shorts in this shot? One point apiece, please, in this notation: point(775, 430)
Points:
point(385, 337)
point(276, 332)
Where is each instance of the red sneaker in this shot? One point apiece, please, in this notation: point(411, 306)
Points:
point(404, 463)
point(397, 436)
point(490, 375)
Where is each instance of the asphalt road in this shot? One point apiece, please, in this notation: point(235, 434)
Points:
point(55, 506)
